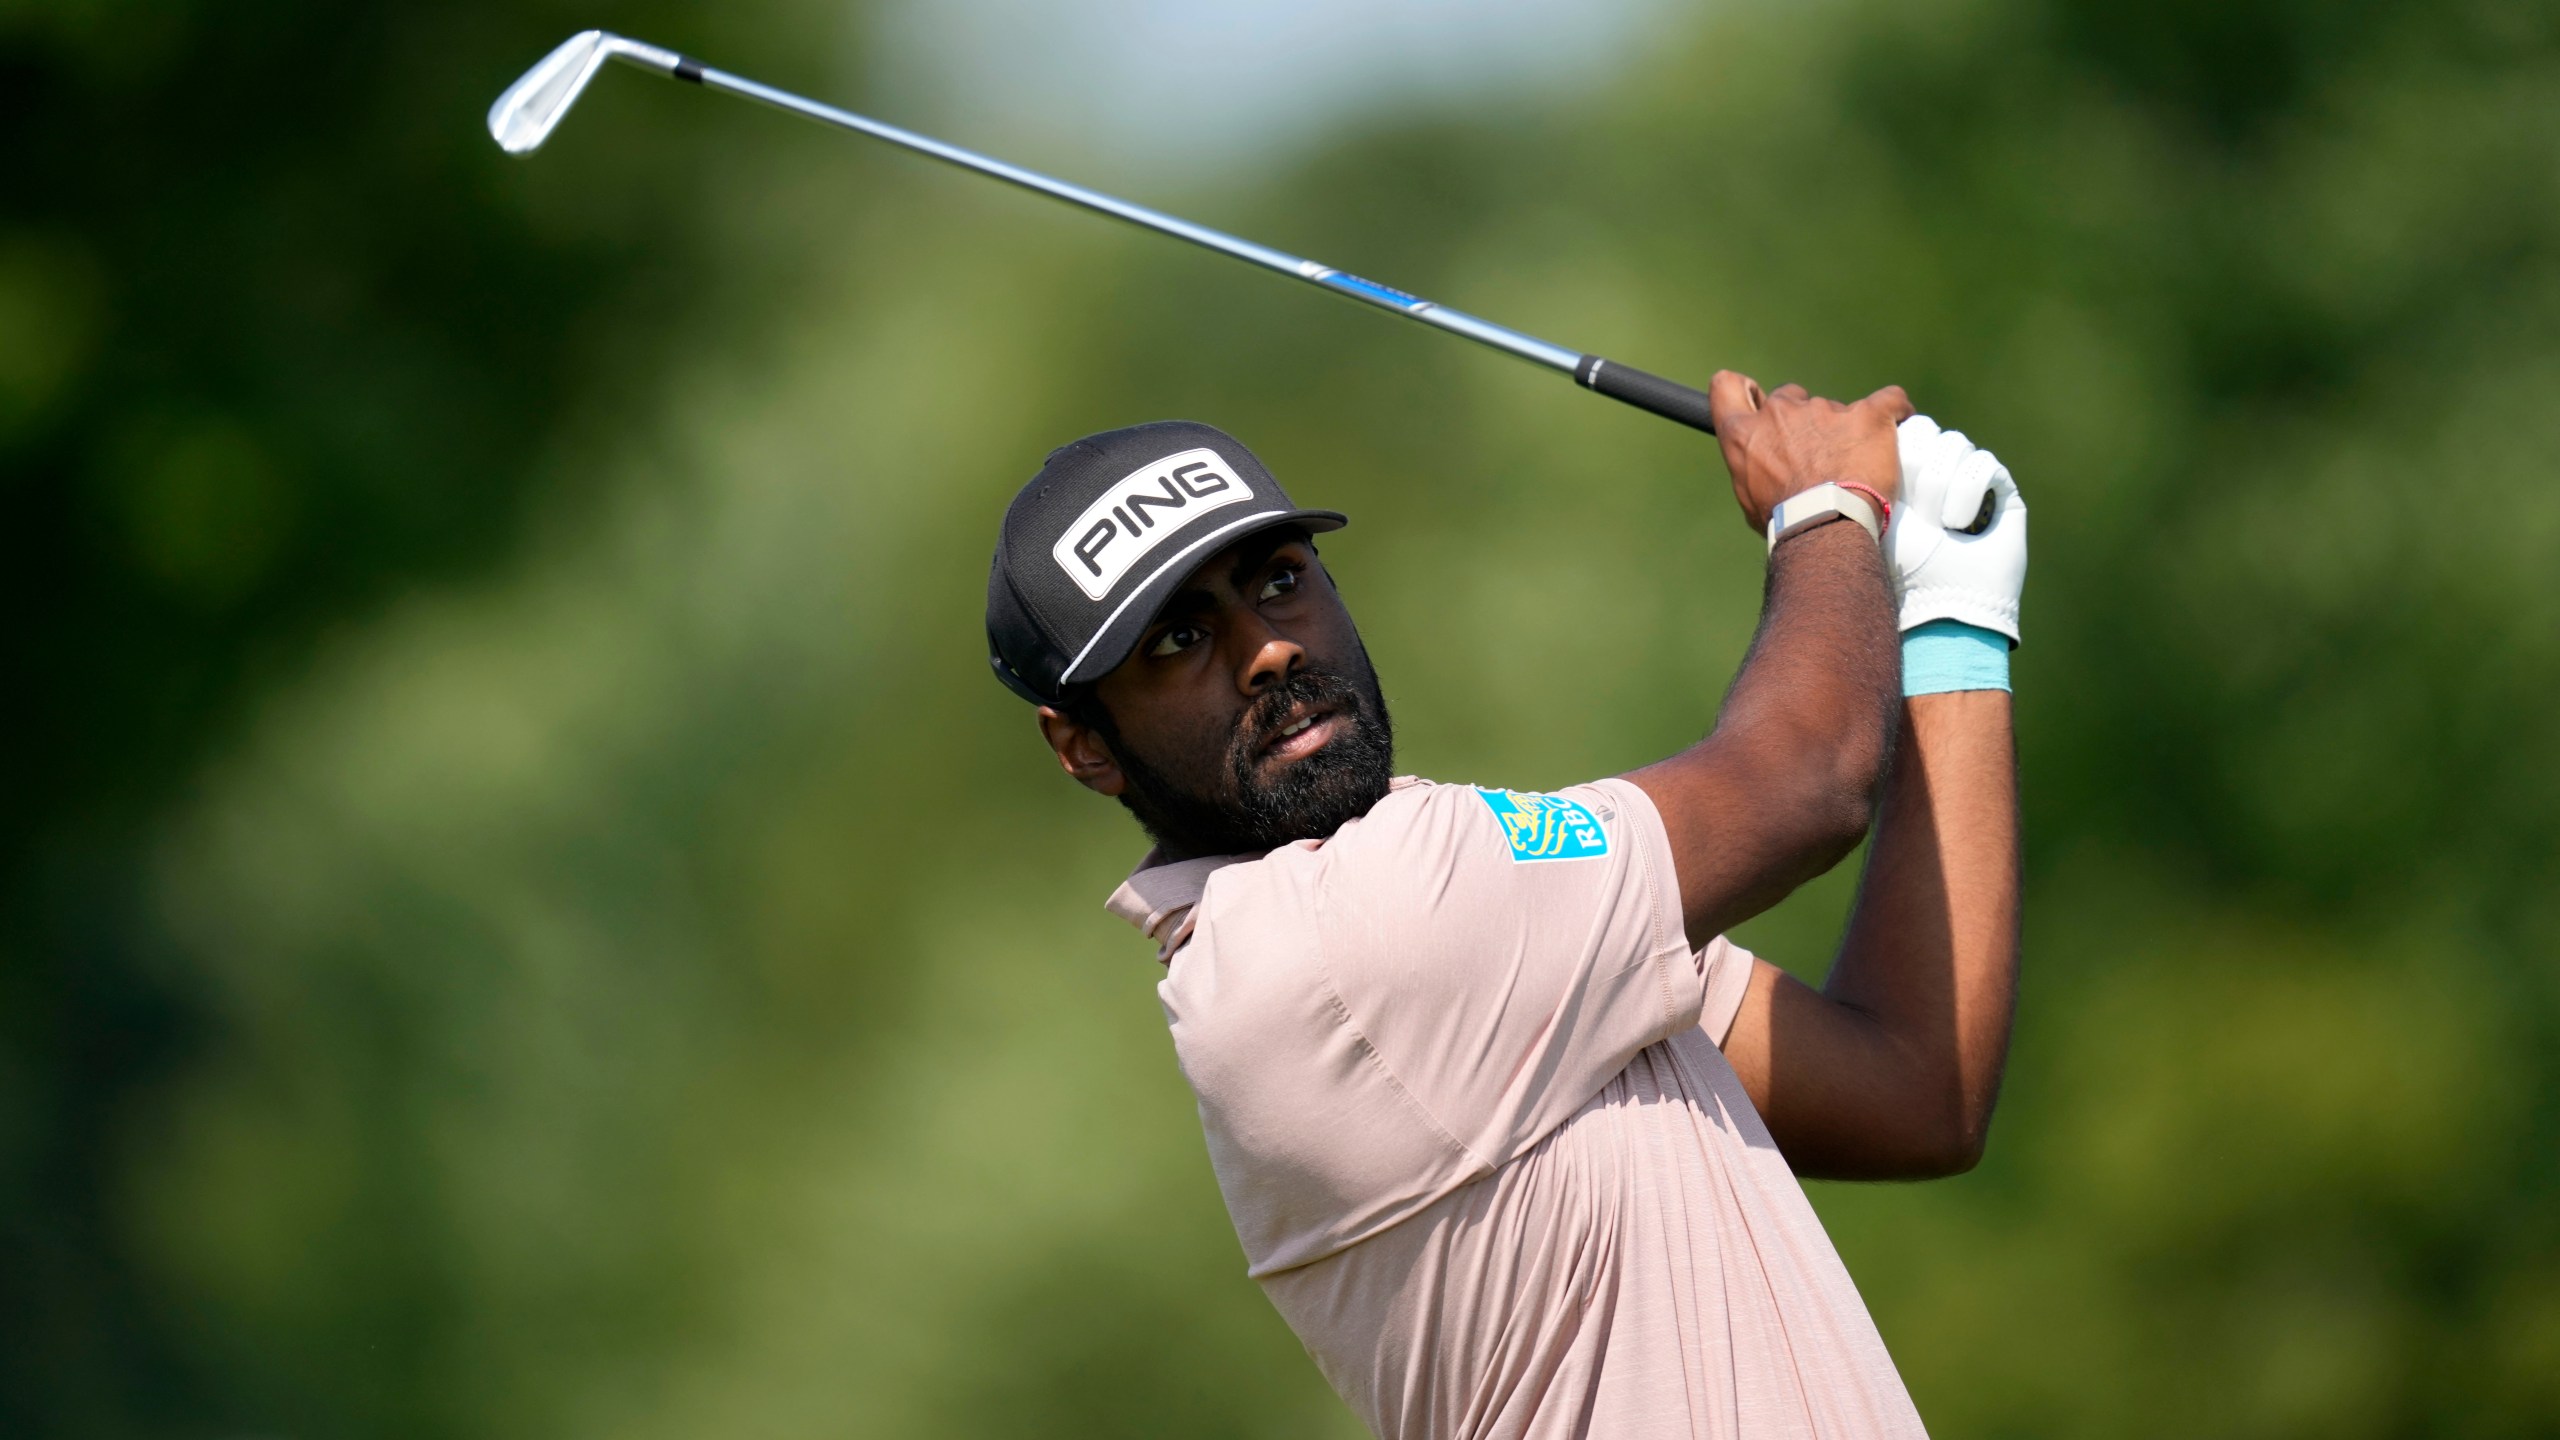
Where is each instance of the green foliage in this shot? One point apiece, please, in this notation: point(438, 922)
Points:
point(526, 915)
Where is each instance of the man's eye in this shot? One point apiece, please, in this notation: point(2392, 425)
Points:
point(1281, 583)
point(1177, 640)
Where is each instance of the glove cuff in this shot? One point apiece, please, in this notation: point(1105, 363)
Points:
point(1924, 603)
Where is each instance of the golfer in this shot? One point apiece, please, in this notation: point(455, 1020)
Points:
point(1509, 1131)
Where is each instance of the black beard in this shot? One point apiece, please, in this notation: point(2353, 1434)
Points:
point(1309, 800)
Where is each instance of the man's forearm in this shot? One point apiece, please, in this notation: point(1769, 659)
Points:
point(1821, 686)
point(1782, 788)
point(1891, 1071)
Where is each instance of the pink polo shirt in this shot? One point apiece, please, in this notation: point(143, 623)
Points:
point(1459, 1074)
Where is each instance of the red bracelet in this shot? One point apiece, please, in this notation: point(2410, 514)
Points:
point(1884, 507)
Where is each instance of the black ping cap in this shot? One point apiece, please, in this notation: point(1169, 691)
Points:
point(1110, 527)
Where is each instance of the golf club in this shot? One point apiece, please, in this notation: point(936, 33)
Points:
point(529, 110)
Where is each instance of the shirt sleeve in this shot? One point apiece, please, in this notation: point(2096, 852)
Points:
point(1726, 968)
point(1505, 955)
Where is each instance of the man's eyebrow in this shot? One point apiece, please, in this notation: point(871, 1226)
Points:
point(1253, 557)
point(1182, 605)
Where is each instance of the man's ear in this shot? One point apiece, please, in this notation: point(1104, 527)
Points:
point(1082, 753)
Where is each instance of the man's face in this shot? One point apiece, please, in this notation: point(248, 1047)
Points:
point(1247, 717)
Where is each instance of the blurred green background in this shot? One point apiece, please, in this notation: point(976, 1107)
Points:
point(522, 912)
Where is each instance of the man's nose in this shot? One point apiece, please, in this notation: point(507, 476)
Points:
point(1274, 659)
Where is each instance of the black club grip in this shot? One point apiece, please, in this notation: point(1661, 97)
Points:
point(1667, 398)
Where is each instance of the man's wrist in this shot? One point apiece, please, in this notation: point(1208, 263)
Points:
point(1819, 505)
point(1836, 569)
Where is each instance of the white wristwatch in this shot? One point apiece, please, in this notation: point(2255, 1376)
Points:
point(1819, 505)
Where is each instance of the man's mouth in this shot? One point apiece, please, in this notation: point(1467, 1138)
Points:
point(1302, 736)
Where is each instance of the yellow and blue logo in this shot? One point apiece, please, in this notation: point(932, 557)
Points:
point(1546, 827)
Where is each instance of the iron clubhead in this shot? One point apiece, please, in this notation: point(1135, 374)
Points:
point(524, 116)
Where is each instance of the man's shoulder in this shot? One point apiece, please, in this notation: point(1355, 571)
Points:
point(1428, 846)
point(1428, 853)
point(1397, 831)
point(1428, 822)
point(1274, 899)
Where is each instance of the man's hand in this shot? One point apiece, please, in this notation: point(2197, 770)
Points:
point(1959, 536)
point(1784, 441)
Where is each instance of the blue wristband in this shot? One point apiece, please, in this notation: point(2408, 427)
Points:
point(1944, 655)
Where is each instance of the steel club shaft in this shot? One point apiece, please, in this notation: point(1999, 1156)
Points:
point(524, 116)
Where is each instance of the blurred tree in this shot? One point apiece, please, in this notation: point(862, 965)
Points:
point(632, 971)
point(274, 347)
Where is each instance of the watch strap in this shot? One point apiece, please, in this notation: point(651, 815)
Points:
point(1819, 505)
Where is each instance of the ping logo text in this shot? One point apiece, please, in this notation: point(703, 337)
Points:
point(1134, 515)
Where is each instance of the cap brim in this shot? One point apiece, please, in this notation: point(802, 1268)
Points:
point(1119, 634)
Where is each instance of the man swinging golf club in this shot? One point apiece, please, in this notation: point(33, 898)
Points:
point(1509, 1131)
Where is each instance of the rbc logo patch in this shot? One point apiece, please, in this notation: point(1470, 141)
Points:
point(1546, 827)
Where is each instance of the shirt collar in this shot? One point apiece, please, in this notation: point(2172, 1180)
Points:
point(1159, 896)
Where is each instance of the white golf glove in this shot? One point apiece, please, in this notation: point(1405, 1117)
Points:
point(1941, 572)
